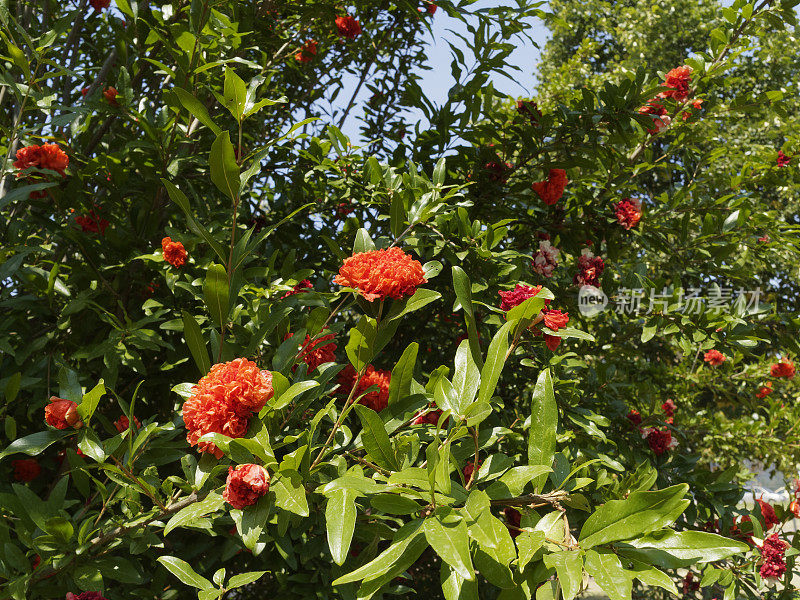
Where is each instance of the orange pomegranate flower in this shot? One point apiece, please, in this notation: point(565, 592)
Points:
point(174, 252)
point(47, 156)
point(110, 94)
point(348, 27)
point(551, 189)
point(382, 274)
point(714, 357)
point(223, 401)
point(376, 400)
point(307, 52)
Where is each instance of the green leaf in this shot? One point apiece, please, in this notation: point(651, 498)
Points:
point(422, 297)
point(609, 574)
point(196, 108)
point(234, 91)
point(544, 423)
point(363, 242)
point(289, 492)
point(224, 170)
point(23, 192)
point(188, 514)
point(253, 520)
point(285, 398)
point(360, 346)
point(90, 401)
point(34, 443)
point(466, 378)
point(215, 292)
point(376, 440)
point(479, 519)
point(397, 215)
point(406, 538)
point(495, 360)
point(184, 571)
point(402, 374)
point(651, 576)
point(671, 549)
point(569, 569)
point(244, 579)
point(639, 513)
point(455, 587)
point(179, 198)
point(12, 387)
point(463, 289)
point(446, 532)
point(340, 522)
point(196, 343)
point(439, 171)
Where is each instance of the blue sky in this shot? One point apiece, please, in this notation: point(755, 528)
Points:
point(438, 81)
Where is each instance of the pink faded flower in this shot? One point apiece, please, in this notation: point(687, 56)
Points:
point(546, 259)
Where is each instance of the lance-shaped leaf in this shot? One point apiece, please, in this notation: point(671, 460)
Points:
point(340, 522)
point(215, 292)
point(376, 440)
point(224, 170)
point(184, 571)
point(446, 532)
point(544, 422)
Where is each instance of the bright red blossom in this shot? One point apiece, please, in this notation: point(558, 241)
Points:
point(678, 80)
point(378, 399)
point(782, 368)
point(669, 408)
point(62, 414)
point(307, 52)
point(47, 156)
point(629, 212)
point(783, 160)
point(174, 252)
point(303, 286)
point(26, 469)
point(764, 391)
point(714, 357)
point(634, 417)
point(551, 189)
point(772, 553)
point(382, 274)
point(348, 27)
point(591, 268)
point(123, 424)
point(223, 401)
point(318, 352)
point(554, 319)
point(110, 94)
point(99, 5)
point(518, 295)
point(768, 514)
point(245, 485)
point(660, 116)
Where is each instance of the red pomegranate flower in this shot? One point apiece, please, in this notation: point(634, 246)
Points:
point(629, 212)
point(26, 469)
point(381, 274)
point(513, 520)
point(245, 485)
point(223, 401)
point(688, 113)
point(348, 27)
point(768, 514)
point(47, 156)
point(518, 295)
point(553, 319)
point(62, 414)
point(317, 352)
point(301, 287)
point(307, 52)
point(661, 119)
point(123, 423)
point(677, 82)
point(764, 391)
point(714, 357)
point(591, 268)
point(470, 468)
point(782, 368)
point(659, 440)
point(110, 94)
point(634, 417)
point(92, 223)
point(430, 416)
point(551, 189)
point(99, 5)
point(430, 8)
point(772, 553)
point(783, 160)
point(174, 252)
point(378, 399)
point(669, 408)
